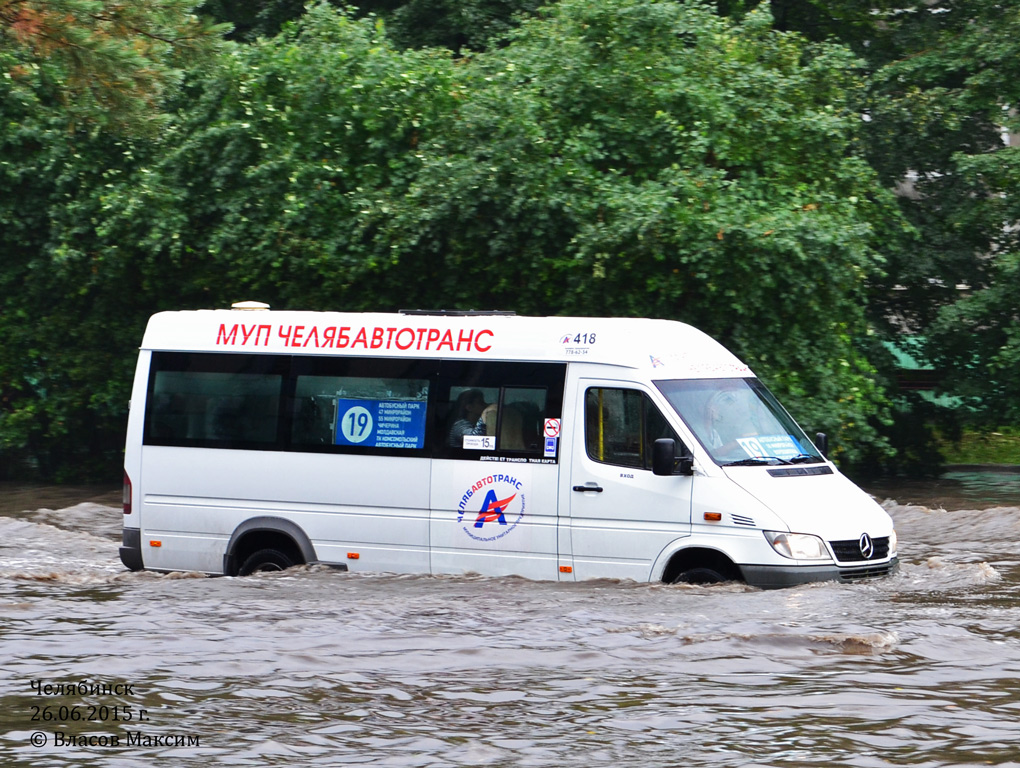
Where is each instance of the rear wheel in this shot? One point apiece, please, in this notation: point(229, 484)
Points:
point(265, 560)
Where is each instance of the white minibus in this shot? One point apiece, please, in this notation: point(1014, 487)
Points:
point(560, 448)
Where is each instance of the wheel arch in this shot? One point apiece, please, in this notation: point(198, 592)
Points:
point(681, 559)
point(267, 533)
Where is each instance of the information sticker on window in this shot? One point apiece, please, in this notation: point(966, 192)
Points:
point(780, 446)
point(381, 423)
point(479, 442)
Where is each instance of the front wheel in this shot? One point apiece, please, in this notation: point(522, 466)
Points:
point(701, 575)
point(265, 560)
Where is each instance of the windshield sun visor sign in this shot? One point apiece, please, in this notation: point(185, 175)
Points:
point(780, 446)
point(380, 423)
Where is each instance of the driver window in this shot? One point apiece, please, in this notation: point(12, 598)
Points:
point(621, 425)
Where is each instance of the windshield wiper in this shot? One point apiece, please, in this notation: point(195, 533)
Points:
point(805, 458)
point(755, 461)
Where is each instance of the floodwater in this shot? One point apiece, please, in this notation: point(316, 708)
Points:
point(317, 667)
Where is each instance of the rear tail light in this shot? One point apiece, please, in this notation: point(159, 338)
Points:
point(127, 494)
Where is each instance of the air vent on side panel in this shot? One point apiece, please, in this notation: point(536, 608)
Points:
point(741, 520)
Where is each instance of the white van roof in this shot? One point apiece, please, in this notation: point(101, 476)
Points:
point(666, 348)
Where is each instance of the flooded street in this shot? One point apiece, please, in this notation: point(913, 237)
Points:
point(319, 667)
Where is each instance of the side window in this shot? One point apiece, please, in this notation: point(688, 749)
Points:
point(522, 416)
point(497, 418)
point(473, 413)
point(361, 405)
point(496, 409)
point(214, 400)
point(360, 411)
point(621, 425)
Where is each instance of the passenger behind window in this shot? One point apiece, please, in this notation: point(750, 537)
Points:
point(473, 417)
point(511, 430)
point(520, 426)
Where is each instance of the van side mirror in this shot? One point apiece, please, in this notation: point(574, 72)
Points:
point(666, 462)
point(822, 443)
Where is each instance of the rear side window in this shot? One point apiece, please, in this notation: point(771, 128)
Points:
point(217, 400)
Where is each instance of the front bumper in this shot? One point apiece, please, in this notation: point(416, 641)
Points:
point(777, 576)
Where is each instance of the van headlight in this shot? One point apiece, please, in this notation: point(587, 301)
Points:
point(893, 542)
point(797, 546)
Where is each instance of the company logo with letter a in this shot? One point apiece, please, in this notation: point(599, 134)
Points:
point(500, 510)
point(493, 509)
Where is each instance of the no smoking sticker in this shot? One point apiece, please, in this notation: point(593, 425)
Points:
point(552, 427)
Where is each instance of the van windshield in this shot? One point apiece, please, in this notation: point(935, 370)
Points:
point(739, 422)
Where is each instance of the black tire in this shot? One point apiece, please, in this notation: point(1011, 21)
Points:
point(265, 560)
point(701, 575)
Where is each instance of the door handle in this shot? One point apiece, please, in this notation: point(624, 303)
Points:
point(583, 488)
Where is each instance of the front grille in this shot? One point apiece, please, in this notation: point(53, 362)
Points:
point(867, 572)
point(849, 551)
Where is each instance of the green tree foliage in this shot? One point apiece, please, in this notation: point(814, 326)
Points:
point(634, 158)
point(98, 62)
point(643, 158)
point(976, 339)
point(56, 359)
point(971, 76)
point(626, 157)
point(938, 92)
point(459, 25)
point(277, 177)
point(942, 89)
point(252, 19)
point(453, 24)
point(73, 75)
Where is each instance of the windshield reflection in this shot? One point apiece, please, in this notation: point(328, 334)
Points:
point(739, 421)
